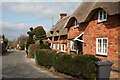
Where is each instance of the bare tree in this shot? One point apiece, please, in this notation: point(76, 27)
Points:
point(22, 41)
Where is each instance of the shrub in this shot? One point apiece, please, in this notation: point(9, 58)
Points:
point(33, 47)
point(31, 50)
point(45, 57)
point(22, 46)
point(40, 33)
point(43, 46)
point(77, 66)
point(4, 48)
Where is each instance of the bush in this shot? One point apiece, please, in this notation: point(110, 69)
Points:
point(40, 33)
point(77, 66)
point(43, 46)
point(4, 50)
point(22, 46)
point(45, 57)
point(32, 49)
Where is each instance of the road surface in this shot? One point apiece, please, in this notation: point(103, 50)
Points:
point(16, 65)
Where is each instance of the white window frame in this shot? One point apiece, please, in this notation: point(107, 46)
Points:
point(76, 24)
point(54, 45)
point(72, 46)
point(51, 44)
point(58, 46)
point(63, 47)
point(101, 50)
point(103, 15)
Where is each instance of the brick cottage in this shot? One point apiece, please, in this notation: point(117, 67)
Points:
point(94, 28)
point(58, 34)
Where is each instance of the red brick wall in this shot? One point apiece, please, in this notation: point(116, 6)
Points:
point(74, 32)
point(107, 29)
point(95, 30)
point(60, 40)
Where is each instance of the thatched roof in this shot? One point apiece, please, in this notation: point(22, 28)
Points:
point(86, 10)
point(59, 26)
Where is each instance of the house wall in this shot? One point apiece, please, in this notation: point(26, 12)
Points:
point(74, 32)
point(108, 29)
point(60, 40)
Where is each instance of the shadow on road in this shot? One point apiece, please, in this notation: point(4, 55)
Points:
point(7, 53)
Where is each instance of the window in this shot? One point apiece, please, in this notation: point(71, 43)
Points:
point(76, 24)
point(102, 16)
point(63, 47)
point(101, 46)
point(57, 32)
point(54, 46)
point(51, 32)
point(72, 46)
point(58, 46)
point(51, 44)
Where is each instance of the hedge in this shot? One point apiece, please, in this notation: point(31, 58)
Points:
point(33, 47)
point(45, 57)
point(43, 46)
point(77, 66)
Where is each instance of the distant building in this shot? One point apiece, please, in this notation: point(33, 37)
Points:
point(1, 40)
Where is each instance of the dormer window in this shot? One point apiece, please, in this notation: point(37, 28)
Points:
point(57, 32)
point(76, 24)
point(102, 16)
point(51, 32)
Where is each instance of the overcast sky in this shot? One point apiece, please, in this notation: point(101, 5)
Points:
point(18, 17)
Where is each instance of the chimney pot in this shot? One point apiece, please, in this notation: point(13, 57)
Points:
point(62, 15)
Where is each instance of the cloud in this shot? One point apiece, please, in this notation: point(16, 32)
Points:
point(59, 0)
point(41, 9)
point(16, 26)
point(19, 16)
point(13, 31)
point(38, 10)
point(41, 0)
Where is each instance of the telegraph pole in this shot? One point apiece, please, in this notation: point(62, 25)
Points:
point(52, 21)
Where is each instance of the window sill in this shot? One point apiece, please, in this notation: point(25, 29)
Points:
point(63, 51)
point(72, 50)
point(104, 55)
point(101, 21)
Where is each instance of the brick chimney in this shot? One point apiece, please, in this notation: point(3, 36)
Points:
point(62, 15)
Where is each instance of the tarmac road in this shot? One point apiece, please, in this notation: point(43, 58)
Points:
point(16, 65)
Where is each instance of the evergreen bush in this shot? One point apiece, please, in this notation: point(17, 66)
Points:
point(40, 33)
point(32, 49)
point(45, 57)
point(43, 46)
point(77, 66)
point(22, 46)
